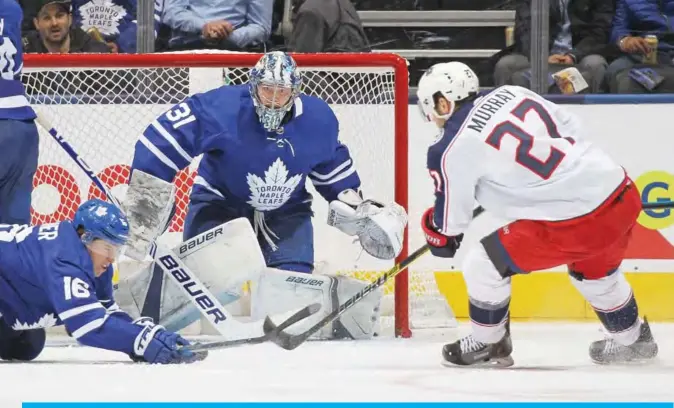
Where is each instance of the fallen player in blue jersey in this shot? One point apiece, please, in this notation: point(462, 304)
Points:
point(61, 273)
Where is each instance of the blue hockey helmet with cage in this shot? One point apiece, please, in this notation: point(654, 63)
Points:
point(275, 70)
point(102, 220)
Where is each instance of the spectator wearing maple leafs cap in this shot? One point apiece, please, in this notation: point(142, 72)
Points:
point(55, 32)
point(112, 21)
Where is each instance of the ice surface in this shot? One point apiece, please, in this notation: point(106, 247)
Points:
point(551, 364)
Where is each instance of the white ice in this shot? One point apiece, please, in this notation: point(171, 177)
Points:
point(551, 364)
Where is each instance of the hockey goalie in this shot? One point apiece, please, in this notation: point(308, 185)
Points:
point(260, 142)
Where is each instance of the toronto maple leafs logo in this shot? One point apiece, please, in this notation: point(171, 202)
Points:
point(103, 15)
point(48, 320)
point(276, 188)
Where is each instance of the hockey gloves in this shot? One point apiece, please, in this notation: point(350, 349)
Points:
point(441, 245)
point(155, 345)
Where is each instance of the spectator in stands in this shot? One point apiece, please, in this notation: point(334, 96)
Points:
point(579, 36)
point(633, 21)
point(112, 21)
point(218, 24)
point(326, 26)
point(55, 32)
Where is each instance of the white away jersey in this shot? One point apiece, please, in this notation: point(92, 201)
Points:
point(521, 157)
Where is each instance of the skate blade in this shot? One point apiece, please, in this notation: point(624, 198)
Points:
point(627, 363)
point(503, 362)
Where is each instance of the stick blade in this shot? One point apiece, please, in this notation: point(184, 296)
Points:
point(285, 340)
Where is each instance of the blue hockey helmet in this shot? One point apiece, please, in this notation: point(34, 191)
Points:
point(274, 84)
point(102, 220)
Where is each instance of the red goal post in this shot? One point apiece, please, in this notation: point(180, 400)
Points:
point(55, 80)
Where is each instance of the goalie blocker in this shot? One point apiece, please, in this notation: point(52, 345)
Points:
point(226, 257)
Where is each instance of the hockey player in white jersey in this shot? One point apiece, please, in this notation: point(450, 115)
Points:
point(260, 142)
point(526, 159)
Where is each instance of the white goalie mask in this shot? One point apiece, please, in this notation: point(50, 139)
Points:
point(274, 84)
point(453, 80)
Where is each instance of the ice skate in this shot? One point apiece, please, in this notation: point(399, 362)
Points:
point(608, 351)
point(470, 352)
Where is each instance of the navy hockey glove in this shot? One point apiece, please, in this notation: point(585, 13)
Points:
point(441, 245)
point(155, 345)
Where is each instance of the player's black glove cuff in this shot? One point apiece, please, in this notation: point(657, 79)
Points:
point(441, 245)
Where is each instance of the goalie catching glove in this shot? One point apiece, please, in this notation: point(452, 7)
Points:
point(379, 227)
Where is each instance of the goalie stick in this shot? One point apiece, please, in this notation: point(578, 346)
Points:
point(292, 341)
point(207, 304)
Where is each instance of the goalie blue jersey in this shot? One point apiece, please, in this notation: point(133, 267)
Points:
point(13, 102)
point(47, 279)
point(242, 163)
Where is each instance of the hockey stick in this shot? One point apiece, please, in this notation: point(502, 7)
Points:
point(172, 265)
point(301, 314)
point(290, 341)
point(657, 205)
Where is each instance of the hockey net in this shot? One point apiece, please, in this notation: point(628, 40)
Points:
point(102, 103)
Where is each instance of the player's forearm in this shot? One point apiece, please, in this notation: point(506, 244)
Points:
point(147, 161)
point(456, 223)
point(453, 210)
point(330, 191)
point(115, 334)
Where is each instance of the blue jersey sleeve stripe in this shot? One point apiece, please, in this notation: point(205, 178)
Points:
point(76, 311)
point(161, 156)
point(169, 138)
point(202, 182)
point(16, 101)
point(89, 327)
point(334, 180)
point(316, 175)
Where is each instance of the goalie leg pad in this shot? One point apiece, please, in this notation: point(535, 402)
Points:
point(148, 207)
point(223, 258)
point(278, 292)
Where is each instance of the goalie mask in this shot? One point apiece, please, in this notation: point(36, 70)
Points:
point(274, 84)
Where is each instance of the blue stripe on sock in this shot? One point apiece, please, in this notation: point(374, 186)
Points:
point(621, 318)
point(491, 316)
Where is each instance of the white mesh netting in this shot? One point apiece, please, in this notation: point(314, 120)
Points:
point(102, 112)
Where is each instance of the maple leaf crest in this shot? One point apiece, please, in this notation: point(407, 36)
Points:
point(276, 188)
point(48, 320)
point(104, 15)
